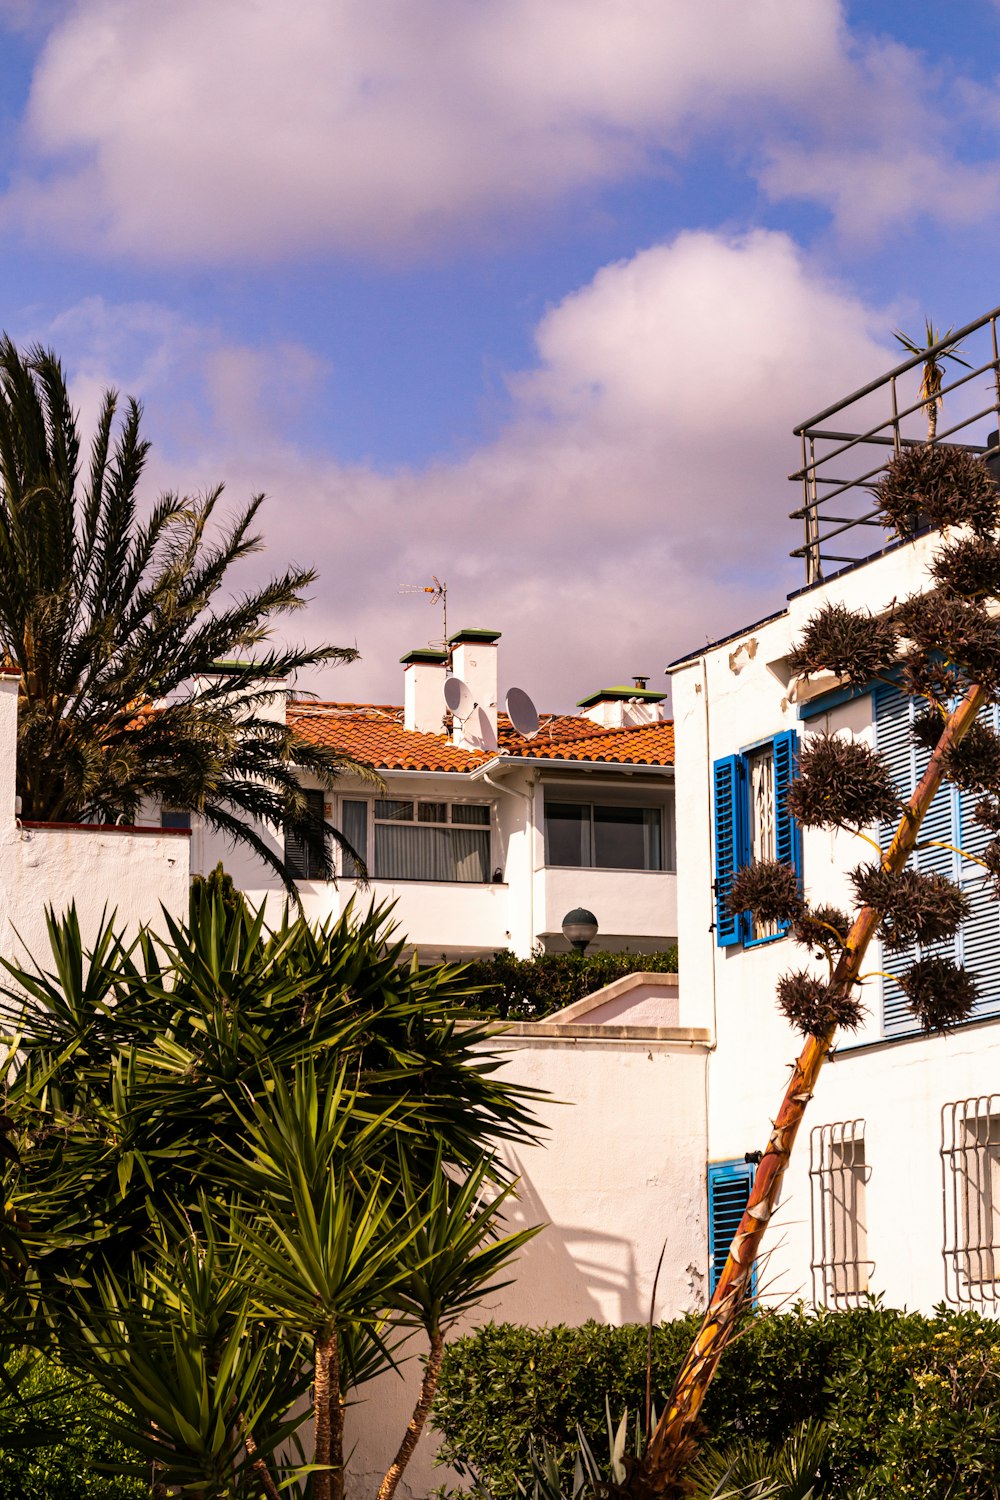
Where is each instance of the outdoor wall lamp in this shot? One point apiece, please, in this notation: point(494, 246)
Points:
point(579, 928)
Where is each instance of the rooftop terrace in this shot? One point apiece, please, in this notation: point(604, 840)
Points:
point(846, 447)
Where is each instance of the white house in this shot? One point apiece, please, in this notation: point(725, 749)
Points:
point(894, 1186)
point(489, 848)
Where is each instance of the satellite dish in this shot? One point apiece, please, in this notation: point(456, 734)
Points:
point(522, 713)
point(479, 729)
point(458, 697)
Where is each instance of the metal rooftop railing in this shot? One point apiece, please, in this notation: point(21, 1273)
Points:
point(846, 447)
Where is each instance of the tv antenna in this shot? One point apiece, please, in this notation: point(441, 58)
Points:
point(438, 592)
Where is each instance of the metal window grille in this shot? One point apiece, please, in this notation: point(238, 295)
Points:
point(838, 1174)
point(970, 1161)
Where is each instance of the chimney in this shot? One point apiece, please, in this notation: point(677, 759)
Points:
point(474, 659)
point(624, 707)
point(424, 672)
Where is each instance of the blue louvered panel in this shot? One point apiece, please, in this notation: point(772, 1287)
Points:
point(893, 741)
point(787, 836)
point(729, 1184)
point(979, 943)
point(728, 841)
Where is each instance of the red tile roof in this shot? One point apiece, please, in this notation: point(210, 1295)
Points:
point(374, 732)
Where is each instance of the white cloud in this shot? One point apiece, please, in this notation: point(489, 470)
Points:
point(633, 505)
point(194, 131)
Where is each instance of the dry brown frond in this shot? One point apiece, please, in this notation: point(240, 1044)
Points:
point(841, 782)
point(940, 993)
point(914, 907)
point(852, 643)
point(768, 888)
point(810, 1005)
point(937, 486)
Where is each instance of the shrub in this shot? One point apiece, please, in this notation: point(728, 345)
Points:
point(911, 1403)
point(526, 989)
point(85, 1462)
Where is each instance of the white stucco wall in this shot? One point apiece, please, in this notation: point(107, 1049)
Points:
point(620, 1172)
point(727, 699)
point(130, 871)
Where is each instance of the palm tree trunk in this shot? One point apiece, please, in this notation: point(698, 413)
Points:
point(672, 1445)
point(325, 1354)
point(428, 1387)
point(932, 411)
point(336, 1426)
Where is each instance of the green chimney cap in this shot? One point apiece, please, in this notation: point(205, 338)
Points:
point(621, 695)
point(485, 637)
point(428, 654)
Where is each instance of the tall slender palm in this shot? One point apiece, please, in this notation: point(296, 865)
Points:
point(932, 370)
point(109, 616)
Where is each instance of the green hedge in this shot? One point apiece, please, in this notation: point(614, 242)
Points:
point(912, 1403)
point(526, 989)
point(54, 1442)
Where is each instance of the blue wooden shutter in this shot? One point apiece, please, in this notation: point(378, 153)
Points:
point(787, 834)
point(729, 1184)
point(726, 784)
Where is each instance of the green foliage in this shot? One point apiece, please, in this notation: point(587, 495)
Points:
point(245, 1158)
point(217, 883)
point(910, 1405)
point(55, 1442)
point(526, 989)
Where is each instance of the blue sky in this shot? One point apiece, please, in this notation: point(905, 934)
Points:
point(527, 294)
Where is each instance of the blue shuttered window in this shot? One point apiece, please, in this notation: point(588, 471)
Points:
point(949, 821)
point(728, 845)
point(729, 1184)
point(735, 831)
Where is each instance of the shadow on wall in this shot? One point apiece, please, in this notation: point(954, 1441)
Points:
point(570, 1272)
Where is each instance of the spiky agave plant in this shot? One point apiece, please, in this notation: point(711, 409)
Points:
point(943, 648)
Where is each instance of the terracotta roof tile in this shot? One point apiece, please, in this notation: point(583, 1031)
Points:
point(375, 733)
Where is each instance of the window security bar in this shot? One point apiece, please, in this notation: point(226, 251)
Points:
point(970, 1164)
point(838, 1176)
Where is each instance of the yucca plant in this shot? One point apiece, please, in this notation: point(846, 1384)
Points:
point(137, 683)
point(250, 1165)
point(932, 369)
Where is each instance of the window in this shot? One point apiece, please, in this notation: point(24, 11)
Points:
point(729, 1184)
point(354, 827)
point(590, 836)
point(949, 822)
point(418, 840)
point(304, 854)
point(752, 822)
point(838, 1175)
point(970, 1157)
point(174, 817)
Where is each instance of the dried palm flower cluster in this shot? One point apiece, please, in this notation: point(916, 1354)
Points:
point(815, 1007)
point(959, 628)
point(925, 675)
point(987, 814)
point(940, 993)
point(822, 927)
point(937, 486)
point(841, 783)
point(769, 889)
point(974, 763)
point(851, 643)
point(969, 567)
point(914, 908)
point(991, 859)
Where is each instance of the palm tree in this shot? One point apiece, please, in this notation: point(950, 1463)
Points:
point(932, 373)
point(108, 615)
